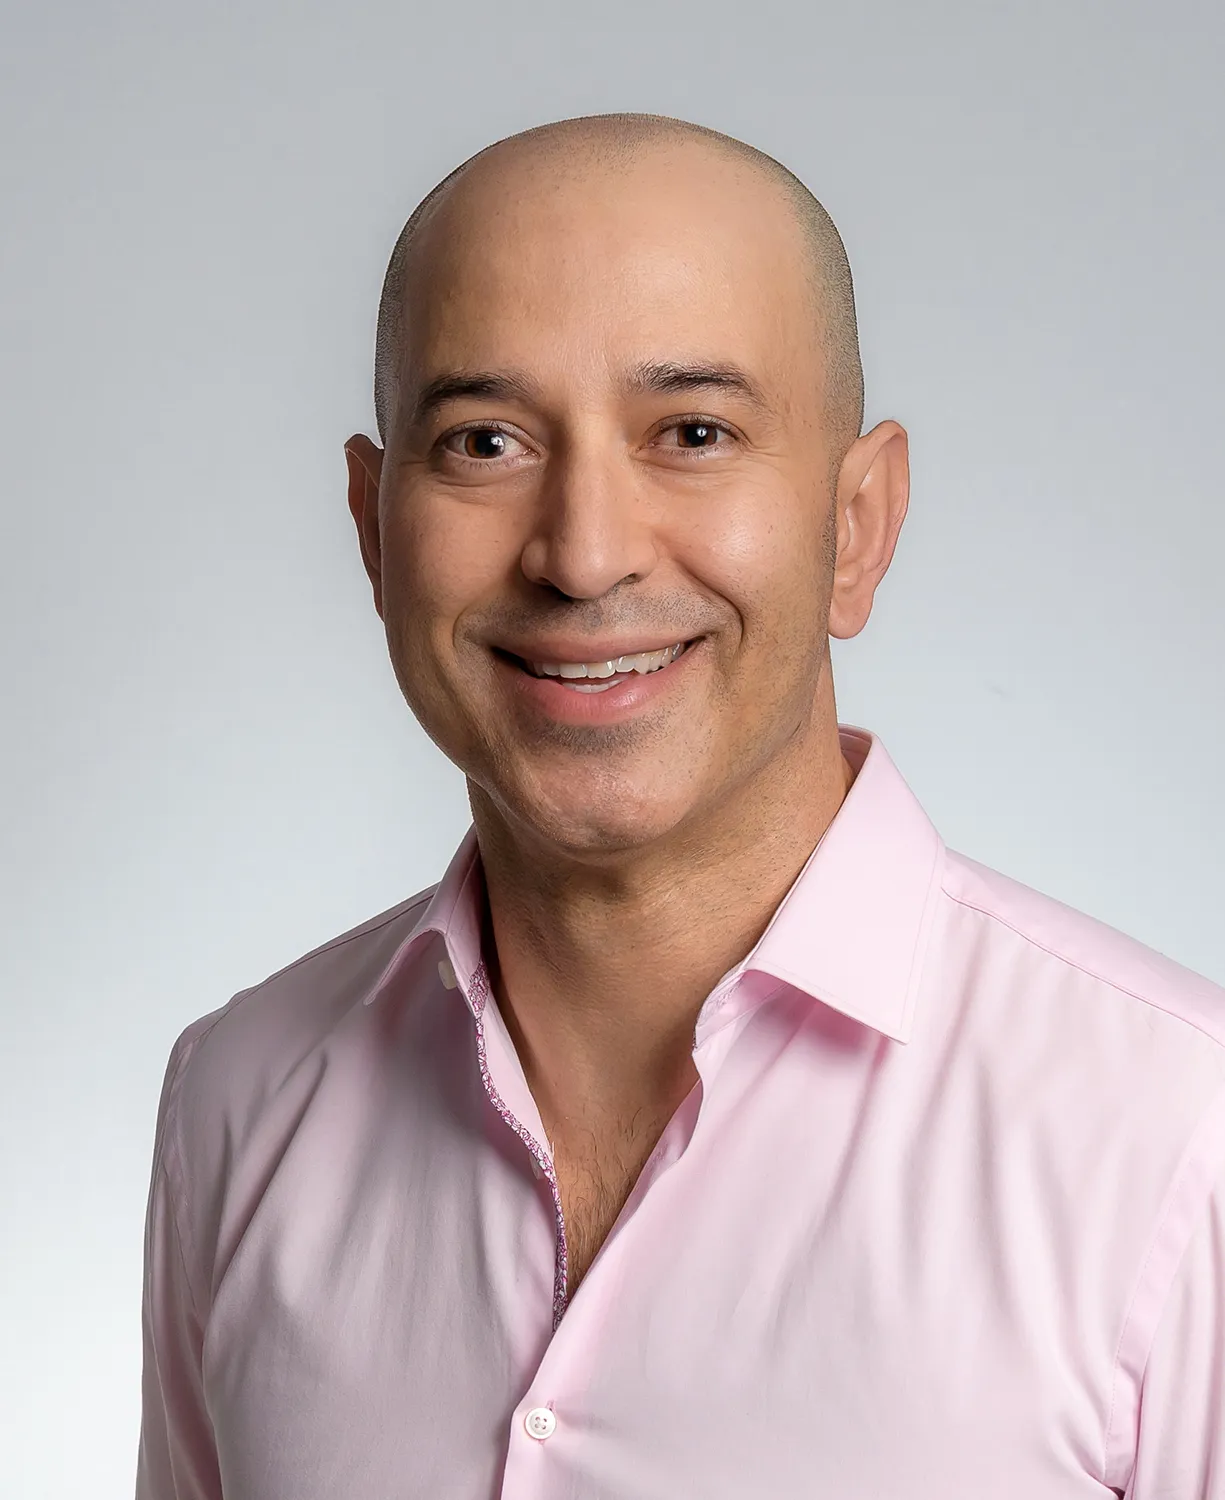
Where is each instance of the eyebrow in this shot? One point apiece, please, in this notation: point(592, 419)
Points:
point(667, 377)
point(648, 377)
point(456, 385)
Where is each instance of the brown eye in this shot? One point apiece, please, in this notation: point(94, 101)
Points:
point(480, 452)
point(483, 442)
point(698, 434)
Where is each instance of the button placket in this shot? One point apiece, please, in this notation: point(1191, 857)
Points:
point(540, 1161)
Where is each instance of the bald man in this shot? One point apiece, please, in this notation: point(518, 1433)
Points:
point(711, 1130)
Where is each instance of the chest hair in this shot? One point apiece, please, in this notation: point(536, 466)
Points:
point(596, 1172)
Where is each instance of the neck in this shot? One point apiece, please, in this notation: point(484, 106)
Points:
point(600, 971)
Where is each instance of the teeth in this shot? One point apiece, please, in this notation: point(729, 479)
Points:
point(645, 661)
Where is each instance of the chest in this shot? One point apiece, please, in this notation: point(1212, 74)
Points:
point(787, 1308)
point(598, 1157)
point(731, 1344)
point(596, 1168)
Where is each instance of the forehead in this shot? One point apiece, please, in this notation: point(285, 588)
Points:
point(573, 266)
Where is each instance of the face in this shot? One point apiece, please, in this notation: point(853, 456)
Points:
point(602, 534)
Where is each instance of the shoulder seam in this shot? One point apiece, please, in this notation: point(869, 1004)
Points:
point(337, 942)
point(362, 930)
point(1073, 963)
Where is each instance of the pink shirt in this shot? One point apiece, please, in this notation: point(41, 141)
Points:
point(944, 1218)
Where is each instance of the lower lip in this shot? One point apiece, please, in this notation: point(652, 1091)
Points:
point(630, 696)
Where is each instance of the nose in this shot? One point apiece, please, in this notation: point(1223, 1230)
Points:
point(592, 529)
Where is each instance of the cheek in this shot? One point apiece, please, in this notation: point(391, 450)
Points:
point(762, 552)
point(440, 558)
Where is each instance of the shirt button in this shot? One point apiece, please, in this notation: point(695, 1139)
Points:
point(540, 1423)
point(447, 974)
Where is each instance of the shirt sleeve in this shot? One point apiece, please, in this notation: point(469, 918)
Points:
point(177, 1456)
point(1180, 1451)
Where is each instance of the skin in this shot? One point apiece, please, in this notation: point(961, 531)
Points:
point(627, 865)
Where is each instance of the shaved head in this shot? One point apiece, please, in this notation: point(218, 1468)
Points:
point(606, 142)
point(619, 392)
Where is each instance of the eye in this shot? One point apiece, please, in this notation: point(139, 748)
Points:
point(698, 435)
point(481, 445)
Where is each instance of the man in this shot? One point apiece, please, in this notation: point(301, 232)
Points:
point(710, 1130)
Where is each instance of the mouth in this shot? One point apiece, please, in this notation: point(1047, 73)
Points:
point(600, 676)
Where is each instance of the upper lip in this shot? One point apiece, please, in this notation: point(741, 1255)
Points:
point(560, 649)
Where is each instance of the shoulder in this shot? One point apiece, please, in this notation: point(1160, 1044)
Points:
point(1069, 953)
point(231, 1058)
point(1096, 1066)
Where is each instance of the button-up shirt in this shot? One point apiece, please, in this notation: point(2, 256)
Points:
point(943, 1217)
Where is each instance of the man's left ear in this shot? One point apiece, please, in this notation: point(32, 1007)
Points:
point(872, 494)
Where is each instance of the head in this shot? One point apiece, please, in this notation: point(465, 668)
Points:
point(619, 397)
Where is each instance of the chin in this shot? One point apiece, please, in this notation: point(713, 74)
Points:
point(597, 820)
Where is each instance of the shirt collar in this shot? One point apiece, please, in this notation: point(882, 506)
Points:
point(454, 912)
point(853, 929)
point(851, 932)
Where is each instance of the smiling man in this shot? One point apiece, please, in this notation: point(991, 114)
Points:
point(711, 1129)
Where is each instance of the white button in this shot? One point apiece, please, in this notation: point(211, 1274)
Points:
point(540, 1422)
point(447, 974)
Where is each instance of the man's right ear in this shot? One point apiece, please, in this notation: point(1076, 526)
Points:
point(365, 463)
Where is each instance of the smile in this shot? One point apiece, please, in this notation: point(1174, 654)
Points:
point(606, 691)
point(599, 676)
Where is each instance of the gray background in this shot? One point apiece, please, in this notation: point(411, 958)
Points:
point(206, 766)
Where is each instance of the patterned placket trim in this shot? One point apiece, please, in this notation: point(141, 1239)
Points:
point(479, 994)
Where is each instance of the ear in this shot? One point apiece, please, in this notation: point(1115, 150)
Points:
point(365, 462)
point(872, 495)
